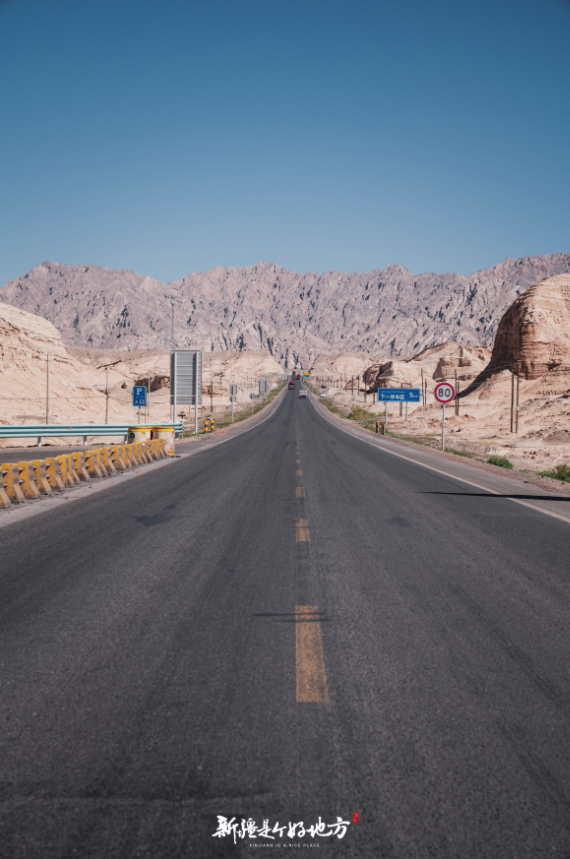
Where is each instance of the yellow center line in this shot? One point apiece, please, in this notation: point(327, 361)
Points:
point(300, 491)
point(298, 473)
point(302, 533)
point(310, 660)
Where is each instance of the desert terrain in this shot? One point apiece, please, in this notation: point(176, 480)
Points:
point(532, 342)
point(79, 379)
point(513, 399)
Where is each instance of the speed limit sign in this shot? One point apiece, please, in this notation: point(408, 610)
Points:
point(444, 392)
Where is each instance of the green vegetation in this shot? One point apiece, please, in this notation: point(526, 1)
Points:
point(463, 453)
point(332, 408)
point(357, 413)
point(502, 461)
point(559, 472)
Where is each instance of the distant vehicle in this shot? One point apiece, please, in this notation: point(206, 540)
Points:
point(302, 393)
point(323, 395)
point(298, 375)
point(291, 385)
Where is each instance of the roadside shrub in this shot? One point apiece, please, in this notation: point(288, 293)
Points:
point(502, 461)
point(357, 413)
point(559, 472)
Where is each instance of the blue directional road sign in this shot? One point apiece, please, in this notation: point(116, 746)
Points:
point(139, 395)
point(399, 395)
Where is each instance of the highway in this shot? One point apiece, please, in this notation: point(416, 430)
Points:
point(288, 626)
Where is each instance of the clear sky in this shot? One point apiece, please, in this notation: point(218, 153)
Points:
point(173, 136)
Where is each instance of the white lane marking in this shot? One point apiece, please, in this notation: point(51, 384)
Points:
point(447, 474)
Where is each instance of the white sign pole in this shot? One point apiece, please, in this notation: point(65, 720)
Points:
point(443, 429)
point(196, 394)
point(386, 414)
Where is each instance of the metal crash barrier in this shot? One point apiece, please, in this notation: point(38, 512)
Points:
point(83, 431)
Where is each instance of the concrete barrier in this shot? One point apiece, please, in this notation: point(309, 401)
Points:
point(66, 476)
point(117, 458)
point(71, 465)
point(40, 476)
point(4, 500)
point(27, 482)
point(124, 455)
point(11, 475)
point(79, 463)
point(53, 472)
point(92, 465)
point(32, 478)
point(106, 461)
point(99, 461)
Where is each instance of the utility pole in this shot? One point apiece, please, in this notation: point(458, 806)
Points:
point(173, 303)
point(107, 396)
point(148, 399)
point(456, 395)
point(423, 403)
point(517, 404)
point(196, 394)
point(513, 401)
point(47, 391)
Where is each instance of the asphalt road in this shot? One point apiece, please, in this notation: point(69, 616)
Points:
point(289, 626)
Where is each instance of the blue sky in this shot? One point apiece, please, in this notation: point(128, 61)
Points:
point(170, 137)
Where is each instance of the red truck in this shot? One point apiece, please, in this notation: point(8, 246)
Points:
point(292, 385)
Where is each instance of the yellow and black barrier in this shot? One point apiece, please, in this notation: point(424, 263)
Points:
point(40, 476)
point(11, 477)
point(31, 478)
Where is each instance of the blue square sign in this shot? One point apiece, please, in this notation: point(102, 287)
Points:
point(139, 395)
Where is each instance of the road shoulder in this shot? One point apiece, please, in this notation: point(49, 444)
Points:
point(539, 494)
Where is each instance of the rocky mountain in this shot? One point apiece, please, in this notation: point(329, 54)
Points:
point(390, 312)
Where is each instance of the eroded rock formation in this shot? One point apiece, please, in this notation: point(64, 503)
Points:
point(533, 336)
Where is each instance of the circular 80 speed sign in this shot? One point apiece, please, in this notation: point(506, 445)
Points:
point(444, 392)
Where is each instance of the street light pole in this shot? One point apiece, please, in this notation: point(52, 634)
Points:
point(47, 391)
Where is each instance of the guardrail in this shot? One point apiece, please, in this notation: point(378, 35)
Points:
point(60, 430)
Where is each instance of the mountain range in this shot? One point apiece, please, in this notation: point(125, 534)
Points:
point(389, 312)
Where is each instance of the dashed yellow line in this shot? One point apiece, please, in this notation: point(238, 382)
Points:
point(302, 533)
point(298, 473)
point(310, 660)
point(300, 492)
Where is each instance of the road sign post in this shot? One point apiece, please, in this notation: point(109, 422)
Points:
point(444, 393)
point(186, 380)
point(139, 397)
point(233, 395)
point(397, 395)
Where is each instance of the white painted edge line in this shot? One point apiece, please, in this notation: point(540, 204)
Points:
point(19, 513)
point(439, 470)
